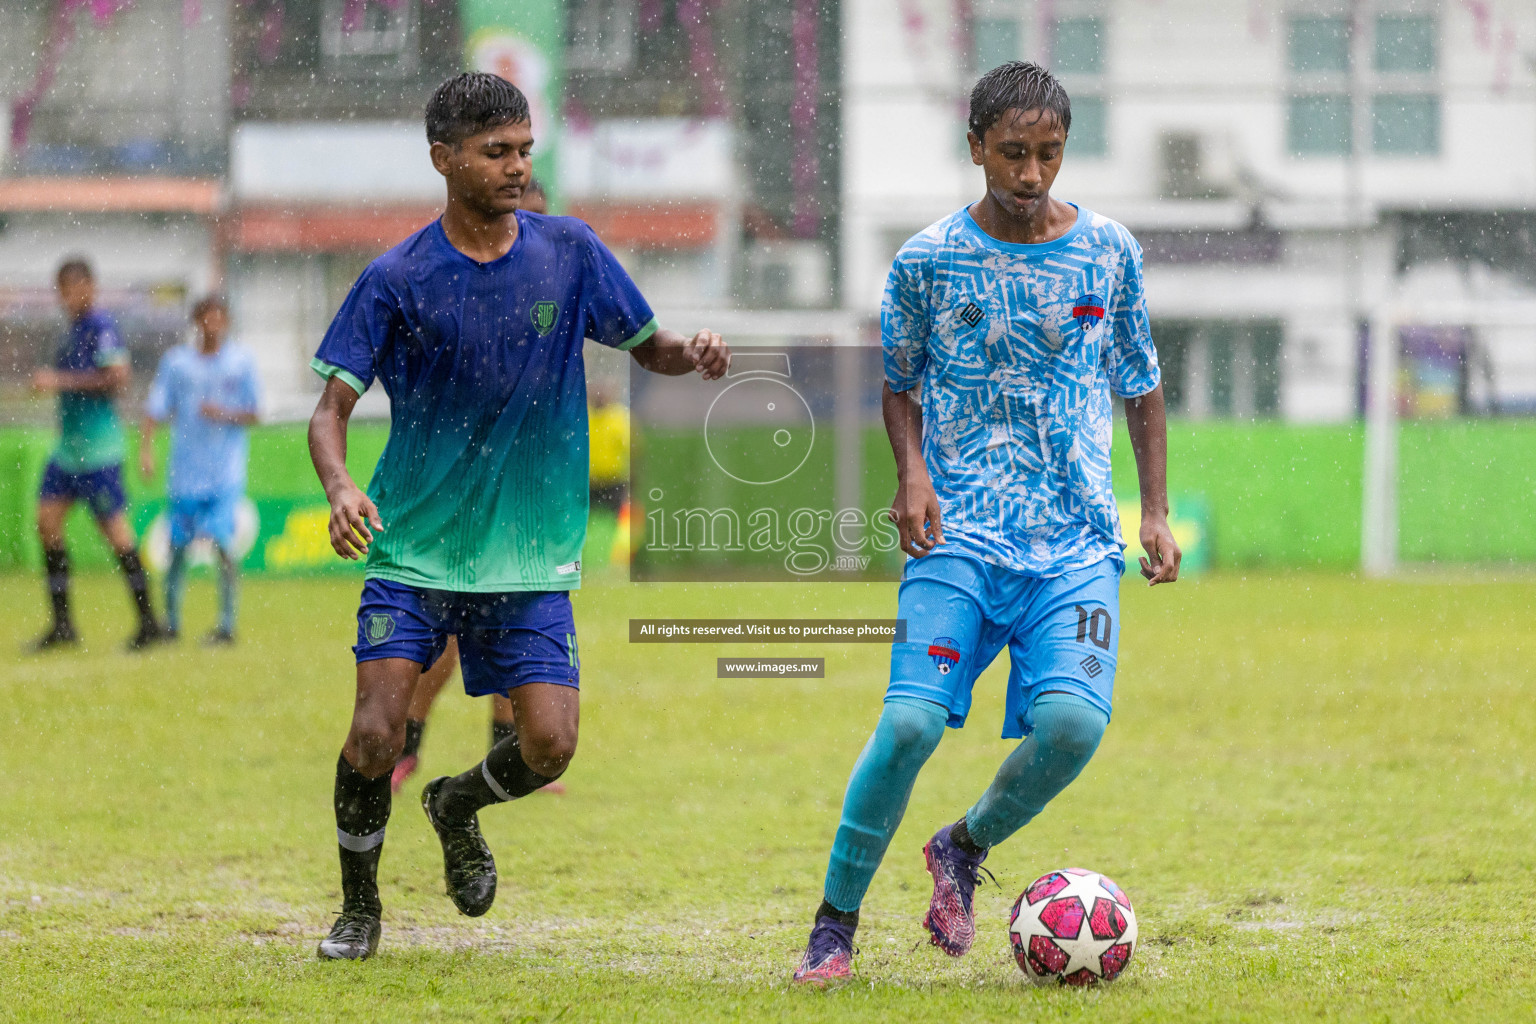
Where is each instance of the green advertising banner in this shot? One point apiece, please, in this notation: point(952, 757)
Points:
point(523, 41)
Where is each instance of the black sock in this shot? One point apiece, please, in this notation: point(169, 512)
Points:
point(961, 837)
point(56, 569)
point(362, 810)
point(503, 775)
point(138, 583)
point(413, 731)
point(847, 917)
point(502, 731)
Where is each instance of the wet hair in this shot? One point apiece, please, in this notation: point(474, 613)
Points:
point(207, 303)
point(471, 103)
point(75, 267)
point(1017, 85)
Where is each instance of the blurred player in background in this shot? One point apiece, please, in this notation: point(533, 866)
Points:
point(210, 394)
point(433, 680)
point(89, 372)
point(476, 514)
point(1018, 316)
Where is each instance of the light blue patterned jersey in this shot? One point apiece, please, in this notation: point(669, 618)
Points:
point(1017, 348)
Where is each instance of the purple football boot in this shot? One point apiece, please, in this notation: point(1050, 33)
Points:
point(829, 956)
point(950, 922)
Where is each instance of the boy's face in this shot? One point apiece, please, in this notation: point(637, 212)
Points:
point(211, 324)
point(77, 294)
point(1020, 157)
point(488, 171)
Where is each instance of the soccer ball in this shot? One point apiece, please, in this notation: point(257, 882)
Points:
point(1072, 927)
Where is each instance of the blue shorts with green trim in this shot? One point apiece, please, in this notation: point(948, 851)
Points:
point(1062, 634)
point(506, 640)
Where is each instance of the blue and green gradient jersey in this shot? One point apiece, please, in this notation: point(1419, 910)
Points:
point(1017, 348)
point(90, 433)
point(482, 486)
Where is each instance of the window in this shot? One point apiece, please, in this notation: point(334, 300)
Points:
point(1405, 105)
point(1320, 125)
point(1397, 68)
point(1220, 368)
point(1077, 58)
point(372, 37)
point(994, 41)
point(1320, 120)
point(1405, 125)
point(1090, 127)
point(1405, 44)
point(1318, 44)
point(1077, 46)
point(602, 35)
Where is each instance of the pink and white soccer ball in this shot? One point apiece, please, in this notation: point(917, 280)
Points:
point(1072, 927)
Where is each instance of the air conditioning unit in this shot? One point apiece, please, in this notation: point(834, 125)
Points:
point(788, 274)
point(1196, 165)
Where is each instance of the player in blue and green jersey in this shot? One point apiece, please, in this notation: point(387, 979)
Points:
point(474, 520)
point(1017, 317)
point(88, 373)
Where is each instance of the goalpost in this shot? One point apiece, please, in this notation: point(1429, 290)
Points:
point(1495, 344)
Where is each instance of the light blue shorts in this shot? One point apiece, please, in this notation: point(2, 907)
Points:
point(1062, 634)
point(212, 517)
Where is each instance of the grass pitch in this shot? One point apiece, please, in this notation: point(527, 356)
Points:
point(1317, 791)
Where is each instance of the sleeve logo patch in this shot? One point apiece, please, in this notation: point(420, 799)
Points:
point(1087, 311)
point(379, 627)
point(544, 315)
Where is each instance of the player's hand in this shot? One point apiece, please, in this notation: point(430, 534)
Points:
point(147, 461)
point(209, 411)
point(354, 517)
point(1163, 555)
point(709, 354)
point(45, 380)
point(915, 511)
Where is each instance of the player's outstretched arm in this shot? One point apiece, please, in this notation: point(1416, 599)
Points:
point(915, 509)
point(673, 354)
point(1147, 420)
point(108, 380)
point(353, 515)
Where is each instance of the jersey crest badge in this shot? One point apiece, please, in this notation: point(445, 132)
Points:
point(380, 627)
point(544, 316)
point(945, 654)
point(970, 315)
point(1088, 311)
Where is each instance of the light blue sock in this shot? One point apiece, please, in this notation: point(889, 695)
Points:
point(1067, 732)
point(906, 736)
point(175, 583)
point(229, 591)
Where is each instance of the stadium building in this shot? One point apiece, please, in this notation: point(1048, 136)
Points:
point(1290, 167)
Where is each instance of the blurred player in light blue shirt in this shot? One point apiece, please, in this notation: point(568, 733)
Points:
point(209, 393)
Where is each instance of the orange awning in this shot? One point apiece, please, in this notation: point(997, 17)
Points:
point(109, 195)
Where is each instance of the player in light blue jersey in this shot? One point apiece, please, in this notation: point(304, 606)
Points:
point(209, 394)
point(1013, 319)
